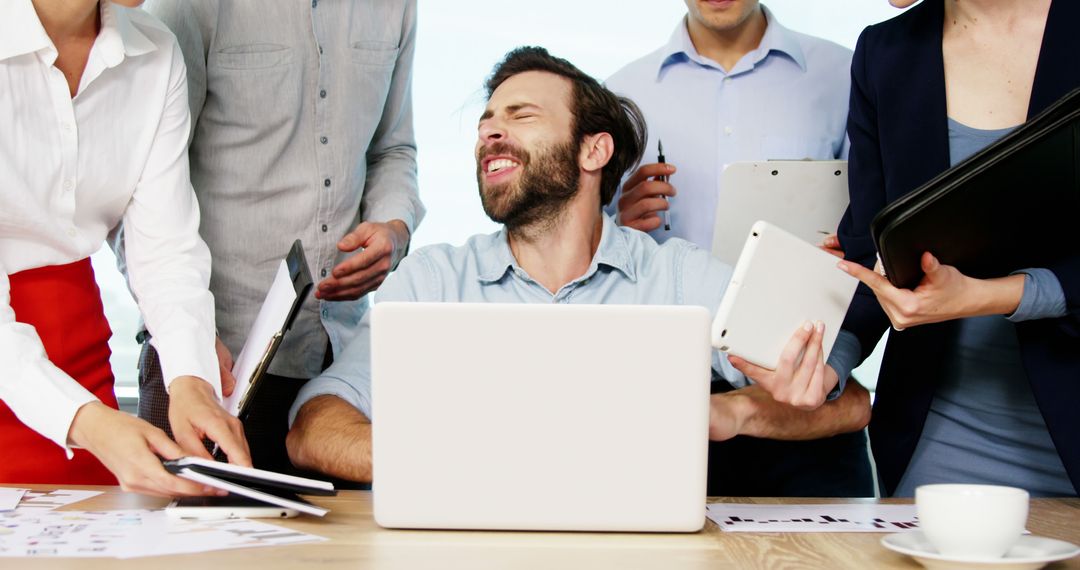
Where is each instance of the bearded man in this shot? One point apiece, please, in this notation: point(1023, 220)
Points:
point(552, 149)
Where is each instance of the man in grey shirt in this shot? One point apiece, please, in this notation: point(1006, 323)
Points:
point(302, 128)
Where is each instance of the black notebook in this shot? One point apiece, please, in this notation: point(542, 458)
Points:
point(1011, 206)
point(265, 486)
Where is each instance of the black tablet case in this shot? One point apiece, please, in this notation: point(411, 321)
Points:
point(1013, 205)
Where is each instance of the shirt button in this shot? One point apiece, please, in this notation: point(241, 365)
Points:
point(67, 126)
point(322, 93)
point(326, 182)
point(727, 80)
point(324, 140)
point(324, 228)
point(323, 272)
point(314, 3)
point(320, 49)
point(69, 185)
point(728, 130)
point(325, 313)
point(71, 232)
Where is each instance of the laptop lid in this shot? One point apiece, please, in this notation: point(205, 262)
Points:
point(540, 417)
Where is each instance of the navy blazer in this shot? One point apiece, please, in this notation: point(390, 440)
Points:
point(899, 139)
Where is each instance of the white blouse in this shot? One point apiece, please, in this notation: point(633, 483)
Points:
point(72, 170)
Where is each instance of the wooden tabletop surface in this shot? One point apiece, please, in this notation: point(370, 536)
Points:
point(357, 543)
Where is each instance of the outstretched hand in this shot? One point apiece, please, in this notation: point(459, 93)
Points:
point(381, 245)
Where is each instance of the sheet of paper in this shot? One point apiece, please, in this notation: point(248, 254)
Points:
point(813, 518)
point(188, 536)
point(9, 498)
point(56, 498)
point(130, 534)
point(271, 317)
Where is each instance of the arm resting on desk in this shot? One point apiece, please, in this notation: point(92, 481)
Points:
point(752, 411)
point(332, 437)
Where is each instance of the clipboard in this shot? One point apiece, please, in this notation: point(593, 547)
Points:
point(291, 285)
point(805, 197)
point(1009, 206)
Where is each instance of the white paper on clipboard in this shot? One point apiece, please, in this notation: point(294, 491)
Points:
point(806, 198)
point(270, 321)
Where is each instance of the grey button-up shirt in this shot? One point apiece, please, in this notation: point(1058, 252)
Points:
point(302, 121)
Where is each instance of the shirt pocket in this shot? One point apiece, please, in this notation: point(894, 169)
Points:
point(374, 54)
point(252, 56)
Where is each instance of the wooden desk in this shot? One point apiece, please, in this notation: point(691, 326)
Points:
point(357, 543)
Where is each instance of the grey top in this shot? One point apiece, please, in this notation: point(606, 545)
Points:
point(984, 425)
point(302, 127)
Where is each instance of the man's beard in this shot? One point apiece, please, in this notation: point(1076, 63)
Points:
point(546, 183)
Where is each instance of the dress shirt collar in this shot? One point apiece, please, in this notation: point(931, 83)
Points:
point(21, 33)
point(777, 38)
point(613, 251)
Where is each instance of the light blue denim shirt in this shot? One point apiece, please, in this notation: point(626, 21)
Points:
point(787, 99)
point(629, 267)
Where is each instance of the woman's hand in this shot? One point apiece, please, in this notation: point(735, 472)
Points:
point(801, 379)
point(194, 413)
point(831, 244)
point(943, 294)
point(131, 449)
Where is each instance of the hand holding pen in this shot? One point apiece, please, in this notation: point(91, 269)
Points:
point(660, 159)
point(643, 203)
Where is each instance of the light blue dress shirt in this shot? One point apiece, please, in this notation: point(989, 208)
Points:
point(629, 267)
point(787, 99)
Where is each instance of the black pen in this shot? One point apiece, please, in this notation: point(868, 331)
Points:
point(660, 159)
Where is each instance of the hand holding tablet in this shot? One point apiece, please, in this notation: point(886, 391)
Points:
point(782, 286)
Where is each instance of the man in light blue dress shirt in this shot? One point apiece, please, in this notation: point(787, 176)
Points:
point(553, 146)
point(732, 84)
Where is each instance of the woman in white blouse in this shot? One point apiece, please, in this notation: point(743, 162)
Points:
point(95, 126)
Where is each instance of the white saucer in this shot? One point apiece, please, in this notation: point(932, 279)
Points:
point(1029, 553)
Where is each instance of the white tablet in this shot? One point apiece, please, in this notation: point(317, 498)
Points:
point(779, 283)
point(805, 197)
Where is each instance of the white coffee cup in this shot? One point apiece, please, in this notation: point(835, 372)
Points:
point(974, 521)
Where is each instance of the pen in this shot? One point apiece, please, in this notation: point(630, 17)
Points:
point(660, 159)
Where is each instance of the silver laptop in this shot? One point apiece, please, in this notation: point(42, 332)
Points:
point(540, 417)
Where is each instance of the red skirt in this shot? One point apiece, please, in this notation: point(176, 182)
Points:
point(63, 304)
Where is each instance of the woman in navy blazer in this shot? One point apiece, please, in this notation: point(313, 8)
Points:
point(899, 139)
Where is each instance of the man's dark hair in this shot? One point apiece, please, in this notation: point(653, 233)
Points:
point(594, 108)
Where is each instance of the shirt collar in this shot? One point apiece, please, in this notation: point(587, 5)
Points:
point(119, 37)
point(613, 251)
point(21, 33)
point(777, 39)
